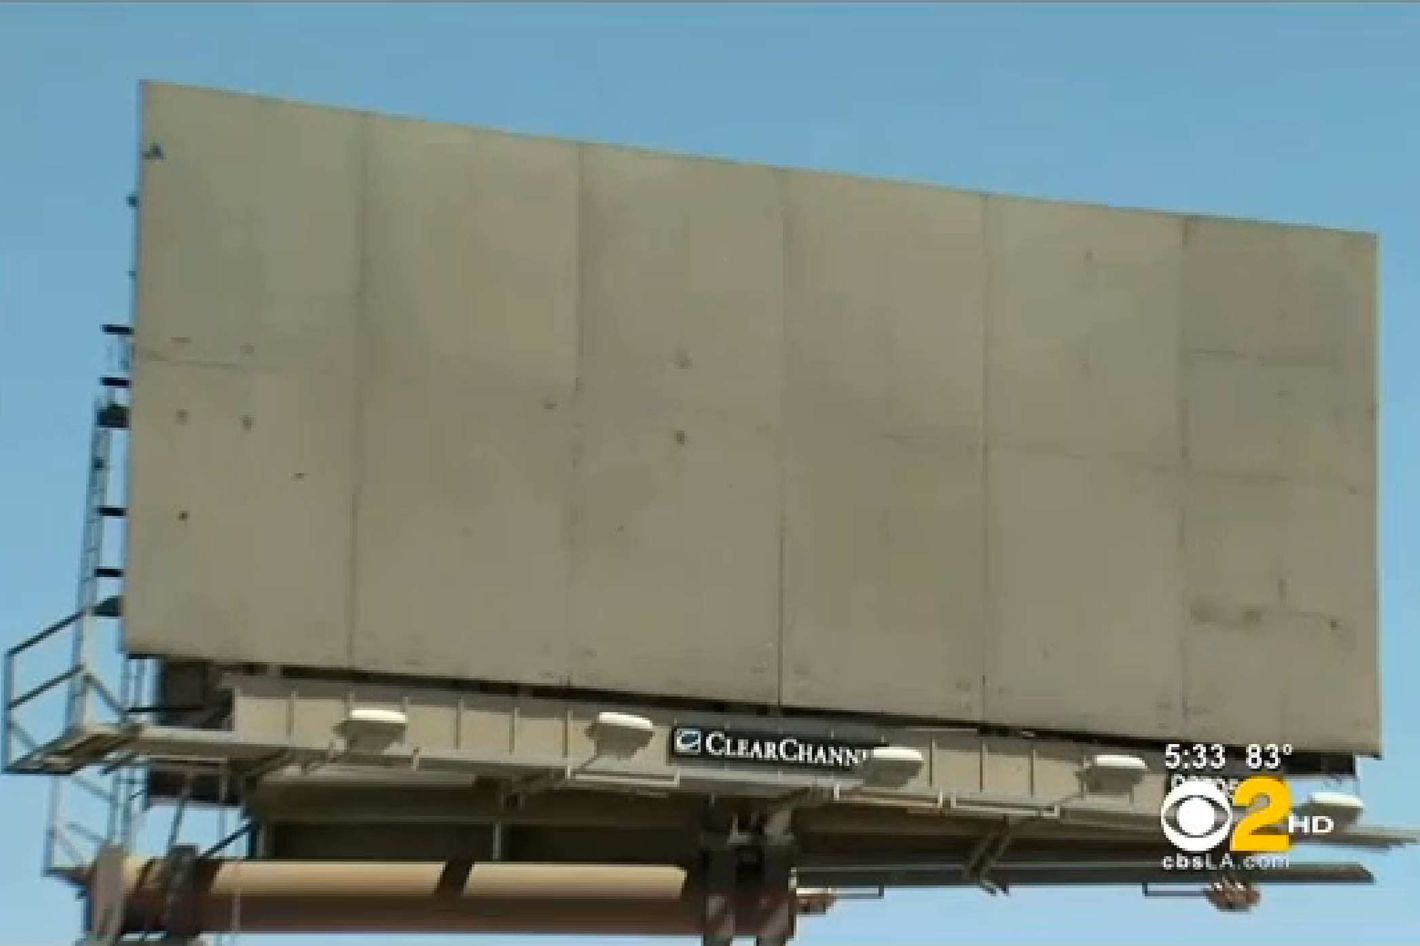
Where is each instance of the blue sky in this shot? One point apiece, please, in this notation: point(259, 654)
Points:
point(1294, 113)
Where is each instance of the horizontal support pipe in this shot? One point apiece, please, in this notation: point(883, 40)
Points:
point(468, 897)
point(391, 897)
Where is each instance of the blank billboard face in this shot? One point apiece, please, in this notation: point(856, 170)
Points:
point(419, 399)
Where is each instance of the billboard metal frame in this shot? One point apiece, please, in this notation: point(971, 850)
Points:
point(283, 738)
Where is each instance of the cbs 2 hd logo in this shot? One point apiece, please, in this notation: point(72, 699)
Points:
point(1197, 816)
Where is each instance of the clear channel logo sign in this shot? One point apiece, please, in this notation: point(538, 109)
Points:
point(1198, 817)
point(689, 741)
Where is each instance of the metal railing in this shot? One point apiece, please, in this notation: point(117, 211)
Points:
point(69, 688)
point(26, 750)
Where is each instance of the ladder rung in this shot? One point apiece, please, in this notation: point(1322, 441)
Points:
point(121, 330)
point(108, 571)
point(114, 416)
point(113, 512)
point(110, 607)
point(113, 381)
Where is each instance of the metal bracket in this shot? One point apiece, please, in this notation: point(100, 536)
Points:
point(178, 877)
point(988, 851)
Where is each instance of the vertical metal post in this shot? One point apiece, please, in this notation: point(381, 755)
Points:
point(104, 899)
point(719, 863)
point(497, 840)
point(54, 825)
point(776, 894)
point(77, 711)
point(8, 694)
point(129, 786)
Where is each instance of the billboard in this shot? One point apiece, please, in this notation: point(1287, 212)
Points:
point(419, 399)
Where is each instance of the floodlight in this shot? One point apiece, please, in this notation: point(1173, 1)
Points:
point(373, 726)
point(892, 763)
point(625, 724)
point(1341, 807)
point(375, 719)
point(1116, 770)
point(621, 733)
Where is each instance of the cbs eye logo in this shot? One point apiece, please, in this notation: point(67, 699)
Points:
point(1197, 816)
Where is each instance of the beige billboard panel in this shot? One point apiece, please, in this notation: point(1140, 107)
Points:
point(468, 368)
point(244, 383)
point(1083, 380)
point(883, 576)
point(677, 473)
point(1279, 522)
point(418, 399)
